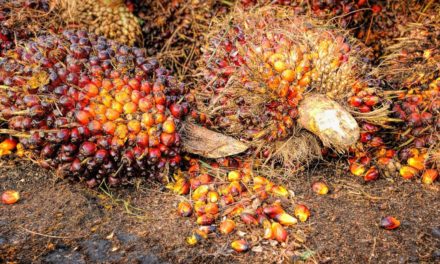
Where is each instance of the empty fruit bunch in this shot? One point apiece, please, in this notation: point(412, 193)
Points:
point(92, 108)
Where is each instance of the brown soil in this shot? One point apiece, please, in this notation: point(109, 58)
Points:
point(60, 222)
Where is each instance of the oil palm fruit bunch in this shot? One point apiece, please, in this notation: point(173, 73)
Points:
point(411, 67)
point(270, 75)
point(90, 107)
point(109, 18)
point(176, 28)
point(224, 197)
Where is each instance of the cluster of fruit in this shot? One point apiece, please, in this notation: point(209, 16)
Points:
point(92, 108)
point(108, 18)
point(256, 74)
point(15, 24)
point(225, 197)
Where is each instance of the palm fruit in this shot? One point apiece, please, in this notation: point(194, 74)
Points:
point(109, 18)
point(92, 108)
point(258, 68)
point(411, 68)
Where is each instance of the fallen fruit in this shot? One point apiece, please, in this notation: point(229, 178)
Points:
point(285, 219)
point(302, 212)
point(10, 197)
point(389, 223)
point(184, 209)
point(279, 233)
point(240, 245)
point(227, 226)
point(320, 188)
point(429, 176)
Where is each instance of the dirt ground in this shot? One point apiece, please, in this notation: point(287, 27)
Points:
point(60, 222)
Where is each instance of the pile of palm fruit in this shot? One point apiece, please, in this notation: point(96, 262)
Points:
point(92, 108)
point(225, 197)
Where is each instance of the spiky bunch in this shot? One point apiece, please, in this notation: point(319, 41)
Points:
point(258, 65)
point(91, 108)
point(109, 18)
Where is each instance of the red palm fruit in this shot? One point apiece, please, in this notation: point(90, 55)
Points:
point(195, 183)
point(355, 101)
point(182, 187)
point(320, 188)
point(240, 245)
point(228, 199)
point(279, 233)
point(302, 212)
point(147, 120)
point(91, 89)
point(176, 110)
point(235, 188)
point(83, 117)
point(408, 172)
point(87, 149)
point(357, 169)
point(372, 174)
point(371, 100)
point(199, 208)
point(273, 210)
point(227, 226)
point(94, 127)
point(184, 209)
point(248, 219)
point(205, 178)
point(8, 144)
point(389, 223)
point(10, 197)
point(109, 127)
point(168, 139)
point(205, 219)
point(429, 176)
point(142, 139)
point(417, 162)
point(285, 219)
point(145, 104)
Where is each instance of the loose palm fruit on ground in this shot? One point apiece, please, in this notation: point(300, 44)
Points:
point(238, 205)
point(10, 197)
point(389, 223)
point(79, 103)
point(240, 245)
point(320, 188)
point(302, 212)
point(256, 77)
point(109, 18)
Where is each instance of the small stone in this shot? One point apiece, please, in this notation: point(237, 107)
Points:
point(435, 231)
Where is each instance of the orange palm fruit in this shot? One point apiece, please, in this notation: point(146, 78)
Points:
point(302, 212)
point(184, 209)
point(389, 223)
point(357, 169)
point(267, 226)
point(227, 226)
point(193, 239)
point(10, 197)
point(211, 208)
point(417, 162)
point(273, 210)
point(248, 219)
point(240, 245)
point(320, 188)
point(213, 196)
point(429, 176)
point(8, 144)
point(408, 172)
point(279, 233)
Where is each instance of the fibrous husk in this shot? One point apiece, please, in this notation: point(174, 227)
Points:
point(247, 91)
point(109, 18)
